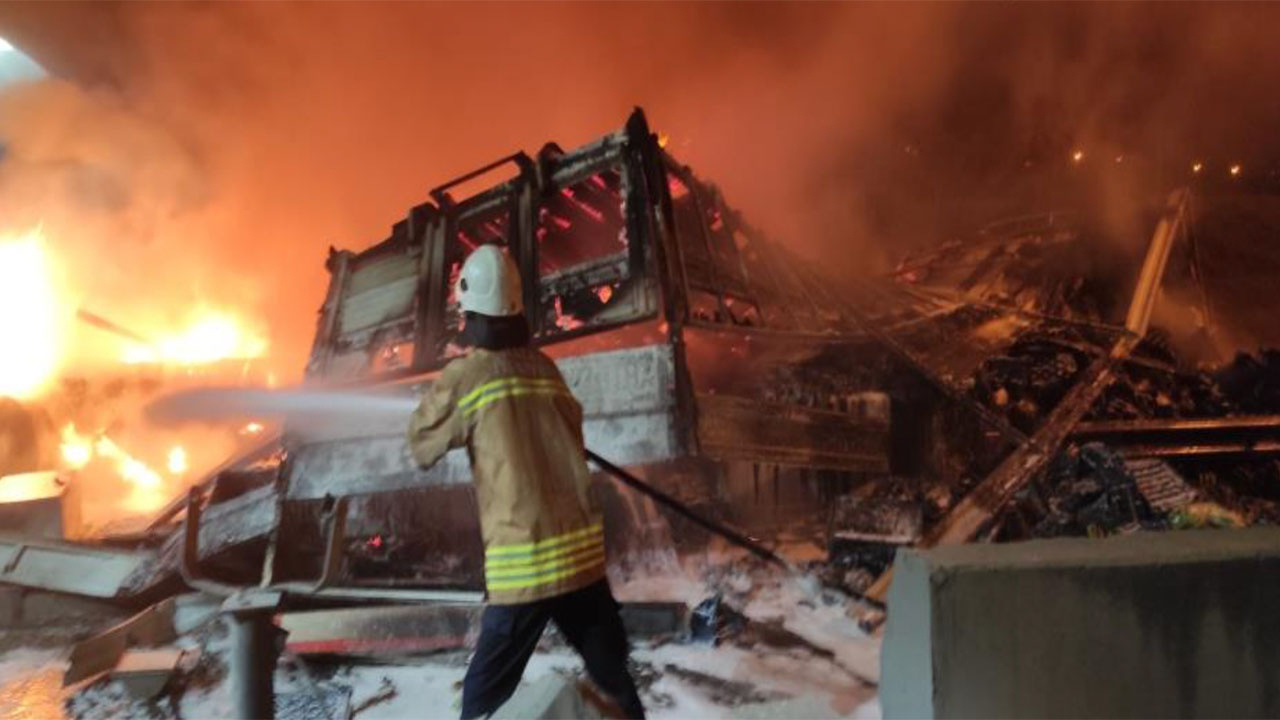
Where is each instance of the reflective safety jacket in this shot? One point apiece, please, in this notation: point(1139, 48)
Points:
point(523, 431)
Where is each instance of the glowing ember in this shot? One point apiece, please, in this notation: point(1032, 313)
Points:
point(77, 451)
point(253, 428)
point(1077, 156)
point(129, 467)
point(604, 292)
point(1197, 167)
point(564, 320)
point(663, 140)
point(29, 315)
point(177, 460)
point(147, 490)
point(212, 337)
point(1235, 170)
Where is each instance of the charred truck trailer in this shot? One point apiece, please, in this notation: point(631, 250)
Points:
point(752, 385)
point(666, 313)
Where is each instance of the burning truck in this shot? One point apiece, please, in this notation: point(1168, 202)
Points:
point(1029, 380)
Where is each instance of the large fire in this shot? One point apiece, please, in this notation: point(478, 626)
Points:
point(29, 315)
point(45, 344)
point(36, 310)
point(147, 489)
point(210, 337)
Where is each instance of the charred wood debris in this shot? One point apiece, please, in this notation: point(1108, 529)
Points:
point(1171, 442)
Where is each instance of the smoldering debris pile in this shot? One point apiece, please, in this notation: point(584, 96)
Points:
point(1018, 322)
point(1154, 411)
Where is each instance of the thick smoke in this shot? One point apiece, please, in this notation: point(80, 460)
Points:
point(212, 153)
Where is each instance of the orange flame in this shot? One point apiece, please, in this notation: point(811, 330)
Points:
point(211, 337)
point(178, 460)
point(29, 315)
point(147, 489)
point(77, 450)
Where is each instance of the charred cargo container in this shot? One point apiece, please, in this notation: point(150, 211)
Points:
point(671, 319)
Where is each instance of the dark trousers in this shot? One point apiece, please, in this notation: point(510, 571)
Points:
point(588, 619)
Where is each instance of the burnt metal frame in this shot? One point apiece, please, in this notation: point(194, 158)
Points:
point(702, 195)
point(561, 170)
point(452, 215)
point(655, 246)
point(1253, 435)
point(431, 227)
point(652, 244)
point(340, 265)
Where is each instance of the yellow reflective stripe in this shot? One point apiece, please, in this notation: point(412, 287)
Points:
point(545, 554)
point(555, 563)
point(533, 561)
point(485, 388)
point(588, 563)
point(513, 392)
point(499, 383)
point(540, 545)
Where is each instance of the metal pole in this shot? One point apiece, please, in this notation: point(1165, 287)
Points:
point(255, 648)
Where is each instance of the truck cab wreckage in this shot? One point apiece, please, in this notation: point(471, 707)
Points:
point(995, 388)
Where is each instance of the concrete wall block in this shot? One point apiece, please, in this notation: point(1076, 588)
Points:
point(1175, 624)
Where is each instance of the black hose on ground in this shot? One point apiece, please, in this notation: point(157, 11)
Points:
point(679, 508)
point(723, 531)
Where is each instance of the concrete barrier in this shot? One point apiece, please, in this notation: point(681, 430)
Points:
point(1175, 624)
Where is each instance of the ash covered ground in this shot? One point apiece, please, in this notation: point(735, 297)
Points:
point(775, 647)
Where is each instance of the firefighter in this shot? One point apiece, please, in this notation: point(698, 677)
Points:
point(507, 403)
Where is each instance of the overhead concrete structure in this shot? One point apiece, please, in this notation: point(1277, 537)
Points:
point(1174, 624)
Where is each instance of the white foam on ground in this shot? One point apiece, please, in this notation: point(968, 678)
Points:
point(31, 684)
point(432, 690)
point(826, 626)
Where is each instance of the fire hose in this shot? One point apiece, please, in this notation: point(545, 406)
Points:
point(680, 509)
point(712, 526)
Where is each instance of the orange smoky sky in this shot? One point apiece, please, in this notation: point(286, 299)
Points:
point(190, 154)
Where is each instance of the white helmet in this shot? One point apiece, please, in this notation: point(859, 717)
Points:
point(489, 283)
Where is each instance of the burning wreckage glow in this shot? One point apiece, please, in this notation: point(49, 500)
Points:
point(29, 309)
point(213, 336)
point(37, 313)
point(148, 489)
point(178, 460)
